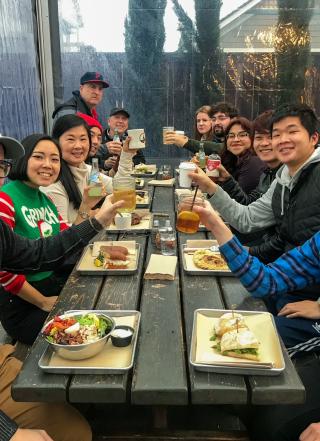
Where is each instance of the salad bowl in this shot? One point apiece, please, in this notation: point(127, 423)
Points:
point(78, 335)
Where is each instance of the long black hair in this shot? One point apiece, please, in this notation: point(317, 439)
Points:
point(62, 125)
point(19, 170)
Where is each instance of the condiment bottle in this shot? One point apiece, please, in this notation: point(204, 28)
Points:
point(95, 184)
point(213, 162)
point(202, 156)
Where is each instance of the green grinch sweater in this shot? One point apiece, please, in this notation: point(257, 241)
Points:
point(30, 213)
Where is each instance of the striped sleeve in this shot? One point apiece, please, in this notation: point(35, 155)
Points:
point(294, 270)
point(10, 282)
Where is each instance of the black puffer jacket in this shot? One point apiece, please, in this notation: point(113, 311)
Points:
point(297, 214)
point(73, 105)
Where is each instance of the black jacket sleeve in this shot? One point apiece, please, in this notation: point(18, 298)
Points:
point(270, 250)
point(21, 255)
point(209, 146)
point(7, 427)
point(234, 190)
point(139, 158)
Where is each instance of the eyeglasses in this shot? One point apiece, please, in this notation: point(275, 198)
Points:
point(240, 135)
point(5, 167)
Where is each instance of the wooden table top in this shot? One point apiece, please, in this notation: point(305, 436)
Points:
point(161, 374)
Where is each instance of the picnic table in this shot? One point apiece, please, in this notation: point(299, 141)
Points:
point(161, 376)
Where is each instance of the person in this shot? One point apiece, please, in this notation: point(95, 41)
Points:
point(25, 300)
point(238, 156)
point(291, 204)
point(203, 124)
point(263, 148)
point(70, 193)
point(9, 149)
point(95, 134)
point(296, 269)
point(18, 420)
point(86, 99)
point(109, 152)
point(222, 113)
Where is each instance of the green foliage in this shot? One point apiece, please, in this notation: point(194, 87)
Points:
point(292, 46)
point(144, 40)
point(207, 60)
point(186, 28)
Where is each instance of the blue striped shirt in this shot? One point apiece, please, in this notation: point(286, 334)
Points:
point(294, 270)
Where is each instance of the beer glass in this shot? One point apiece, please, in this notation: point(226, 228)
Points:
point(124, 188)
point(164, 131)
point(188, 220)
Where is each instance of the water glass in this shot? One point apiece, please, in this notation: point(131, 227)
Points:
point(167, 242)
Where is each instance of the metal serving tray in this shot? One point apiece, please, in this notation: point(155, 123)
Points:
point(144, 226)
point(79, 367)
point(86, 266)
point(267, 335)
point(145, 203)
point(150, 174)
point(190, 268)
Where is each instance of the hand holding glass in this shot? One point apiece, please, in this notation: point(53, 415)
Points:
point(188, 220)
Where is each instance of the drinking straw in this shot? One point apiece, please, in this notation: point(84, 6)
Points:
point(194, 197)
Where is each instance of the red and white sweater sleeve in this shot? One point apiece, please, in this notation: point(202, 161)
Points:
point(10, 282)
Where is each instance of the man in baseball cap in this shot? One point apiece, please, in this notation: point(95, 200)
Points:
point(10, 148)
point(118, 122)
point(86, 99)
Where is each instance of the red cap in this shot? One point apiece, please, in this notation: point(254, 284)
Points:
point(92, 122)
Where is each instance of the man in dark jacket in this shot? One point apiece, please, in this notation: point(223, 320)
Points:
point(86, 99)
point(21, 255)
point(118, 123)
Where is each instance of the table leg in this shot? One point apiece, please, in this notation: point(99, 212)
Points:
point(160, 417)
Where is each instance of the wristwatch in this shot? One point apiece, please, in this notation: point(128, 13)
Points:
point(83, 214)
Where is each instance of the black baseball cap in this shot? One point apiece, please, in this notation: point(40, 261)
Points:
point(12, 148)
point(117, 110)
point(93, 77)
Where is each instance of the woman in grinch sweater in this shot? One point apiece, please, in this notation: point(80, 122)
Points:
point(25, 300)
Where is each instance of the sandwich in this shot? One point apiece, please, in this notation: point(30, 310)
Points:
point(112, 257)
point(228, 322)
point(233, 338)
point(241, 344)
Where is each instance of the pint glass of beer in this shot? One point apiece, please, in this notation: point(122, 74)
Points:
point(188, 220)
point(124, 189)
point(164, 132)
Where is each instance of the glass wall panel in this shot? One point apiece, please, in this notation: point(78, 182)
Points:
point(166, 58)
point(20, 103)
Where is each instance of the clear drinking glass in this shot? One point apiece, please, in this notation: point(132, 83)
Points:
point(124, 188)
point(164, 131)
point(188, 220)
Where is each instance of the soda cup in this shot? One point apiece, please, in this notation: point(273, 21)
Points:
point(213, 162)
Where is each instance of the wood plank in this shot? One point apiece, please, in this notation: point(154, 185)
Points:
point(159, 376)
point(163, 199)
point(79, 292)
point(118, 292)
point(203, 292)
point(285, 388)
